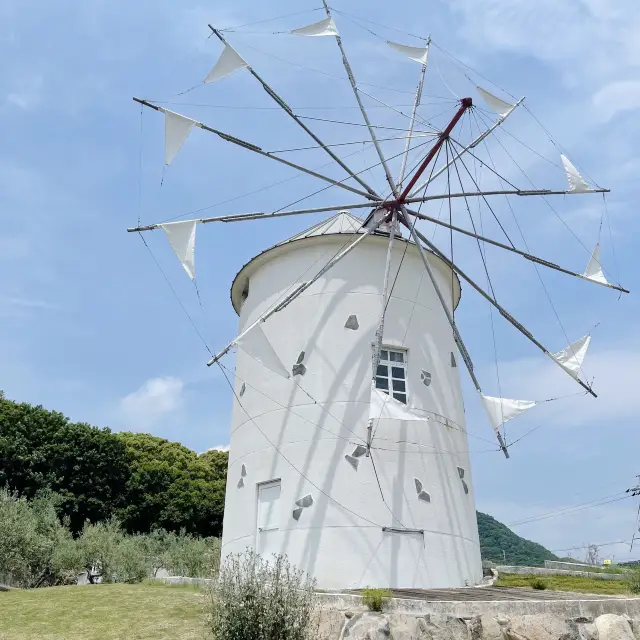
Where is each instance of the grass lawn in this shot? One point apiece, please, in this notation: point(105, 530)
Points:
point(567, 583)
point(105, 612)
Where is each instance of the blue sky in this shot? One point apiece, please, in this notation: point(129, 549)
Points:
point(90, 327)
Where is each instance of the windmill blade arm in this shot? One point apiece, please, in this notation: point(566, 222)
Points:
point(363, 111)
point(301, 288)
point(252, 147)
point(503, 312)
point(263, 215)
point(528, 256)
point(289, 111)
point(416, 104)
point(501, 192)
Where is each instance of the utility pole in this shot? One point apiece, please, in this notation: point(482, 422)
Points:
point(635, 491)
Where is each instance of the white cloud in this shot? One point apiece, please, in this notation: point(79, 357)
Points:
point(616, 97)
point(576, 36)
point(219, 447)
point(152, 401)
point(28, 95)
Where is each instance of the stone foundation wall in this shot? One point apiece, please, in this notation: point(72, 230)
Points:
point(337, 625)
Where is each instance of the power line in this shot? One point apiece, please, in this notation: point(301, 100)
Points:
point(598, 544)
point(570, 510)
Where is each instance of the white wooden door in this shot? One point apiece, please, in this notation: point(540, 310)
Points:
point(268, 518)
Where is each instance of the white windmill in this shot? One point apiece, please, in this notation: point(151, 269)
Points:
point(348, 447)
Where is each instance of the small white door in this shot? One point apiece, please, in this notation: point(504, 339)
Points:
point(268, 518)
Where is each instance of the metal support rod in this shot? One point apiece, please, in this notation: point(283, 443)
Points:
point(456, 334)
point(416, 104)
point(465, 104)
point(354, 86)
point(475, 143)
point(375, 359)
point(241, 217)
point(385, 293)
point(299, 289)
point(528, 256)
point(252, 147)
point(292, 115)
point(505, 314)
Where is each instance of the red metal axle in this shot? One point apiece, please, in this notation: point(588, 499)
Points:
point(465, 104)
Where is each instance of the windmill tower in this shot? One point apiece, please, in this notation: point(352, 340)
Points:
point(348, 446)
point(302, 479)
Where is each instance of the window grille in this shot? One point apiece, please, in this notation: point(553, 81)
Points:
point(391, 374)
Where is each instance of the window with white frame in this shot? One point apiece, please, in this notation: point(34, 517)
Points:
point(391, 375)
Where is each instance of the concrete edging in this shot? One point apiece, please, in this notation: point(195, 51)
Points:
point(470, 609)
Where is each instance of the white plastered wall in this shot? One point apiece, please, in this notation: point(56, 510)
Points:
point(299, 430)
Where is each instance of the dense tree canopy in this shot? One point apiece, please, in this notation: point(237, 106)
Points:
point(173, 488)
point(40, 449)
point(146, 481)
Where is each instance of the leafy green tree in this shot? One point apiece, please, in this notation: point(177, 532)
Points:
point(172, 488)
point(217, 460)
point(30, 534)
point(87, 467)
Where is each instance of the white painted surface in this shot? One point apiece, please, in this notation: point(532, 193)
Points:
point(269, 513)
point(340, 538)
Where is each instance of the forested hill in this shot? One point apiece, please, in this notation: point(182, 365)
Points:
point(147, 482)
point(496, 537)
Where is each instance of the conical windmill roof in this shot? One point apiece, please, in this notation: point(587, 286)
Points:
point(342, 223)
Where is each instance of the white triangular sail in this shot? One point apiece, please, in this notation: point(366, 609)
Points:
point(577, 183)
point(176, 130)
point(256, 344)
point(385, 407)
point(182, 237)
point(500, 410)
point(572, 357)
point(502, 108)
point(419, 54)
point(594, 268)
point(326, 27)
point(229, 62)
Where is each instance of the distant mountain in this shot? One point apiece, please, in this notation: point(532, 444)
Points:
point(496, 537)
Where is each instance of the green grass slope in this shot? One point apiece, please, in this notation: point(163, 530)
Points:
point(102, 612)
point(496, 537)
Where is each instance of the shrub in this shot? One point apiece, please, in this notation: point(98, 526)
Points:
point(186, 555)
point(634, 581)
point(132, 564)
point(111, 555)
point(255, 599)
point(538, 583)
point(98, 547)
point(30, 533)
point(375, 599)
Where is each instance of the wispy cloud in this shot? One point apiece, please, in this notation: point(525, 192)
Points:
point(219, 447)
point(616, 97)
point(155, 399)
point(28, 93)
point(12, 305)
